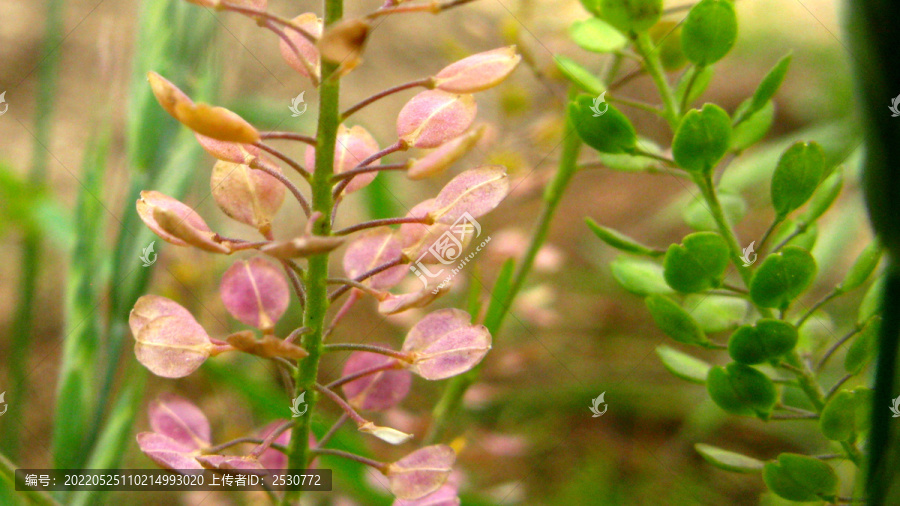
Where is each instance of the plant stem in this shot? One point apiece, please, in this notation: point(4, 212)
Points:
point(654, 67)
point(451, 400)
point(316, 288)
point(332, 431)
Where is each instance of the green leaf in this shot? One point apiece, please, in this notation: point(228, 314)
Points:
point(697, 264)
point(766, 89)
point(620, 241)
point(741, 390)
point(871, 302)
point(754, 128)
point(782, 277)
point(683, 365)
point(709, 31)
point(729, 461)
point(824, 196)
point(768, 339)
point(862, 268)
point(640, 277)
point(578, 75)
point(597, 35)
point(846, 414)
point(499, 297)
point(702, 138)
point(800, 478)
point(592, 6)
point(864, 346)
point(698, 216)
point(701, 82)
point(675, 321)
point(796, 177)
point(631, 16)
point(611, 132)
point(716, 313)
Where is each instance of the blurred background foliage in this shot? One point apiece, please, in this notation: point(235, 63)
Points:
point(83, 135)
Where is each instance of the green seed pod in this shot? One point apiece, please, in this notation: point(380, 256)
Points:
point(768, 339)
point(801, 478)
point(741, 390)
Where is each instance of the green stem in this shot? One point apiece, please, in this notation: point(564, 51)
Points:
point(654, 67)
point(317, 302)
point(451, 400)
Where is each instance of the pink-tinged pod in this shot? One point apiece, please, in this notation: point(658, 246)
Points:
point(151, 200)
point(215, 122)
point(421, 472)
point(302, 246)
point(268, 346)
point(479, 71)
point(378, 391)
point(394, 304)
point(445, 343)
point(475, 191)
point(434, 117)
point(255, 292)
point(168, 453)
point(181, 420)
point(373, 249)
point(444, 156)
point(150, 307)
point(417, 239)
point(172, 346)
point(234, 152)
point(307, 62)
point(247, 195)
point(176, 226)
point(446, 495)
point(352, 146)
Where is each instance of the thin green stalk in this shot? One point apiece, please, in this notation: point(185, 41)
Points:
point(29, 270)
point(317, 301)
point(451, 400)
point(654, 67)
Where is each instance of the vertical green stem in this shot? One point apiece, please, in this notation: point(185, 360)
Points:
point(451, 399)
point(299, 453)
point(644, 45)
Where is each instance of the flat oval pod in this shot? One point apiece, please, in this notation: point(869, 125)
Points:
point(444, 344)
point(370, 250)
point(475, 191)
point(216, 122)
point(235, 152)
point(153, 199)
point(150, 307)
point(421, 472)
point(170, 222)
point(255, 292)
point(378, 391)
point(247, 195)
point(172, 346)
point(434, 117)
point(166, 452)
point(178, 418)
point(479, 71)
point(351, 148)
point(306, 59)
point(444, 156)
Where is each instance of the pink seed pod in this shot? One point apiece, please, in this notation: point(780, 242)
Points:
point(178, 418)
point(234, 152)
point(478, 72)
point(378, 391)
point(444, 344)
point(247, 195)
point(418, 238)
point(446, 495)
point(168, 453)
point(268, 346)
point(172, 346)
point(475, 191)
point(421, 472)
point(255, 292)
point(303, 246)
point(215, 122)
point(352, 147)
point(444, 156)
point(176, 226)
point(151, 200)
point(372, 249)
point(150, 307)
point(248, 464)
point(394, 304)
point(307, 62)
point(434, 117)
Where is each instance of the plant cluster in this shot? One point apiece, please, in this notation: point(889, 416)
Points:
point(249, 186)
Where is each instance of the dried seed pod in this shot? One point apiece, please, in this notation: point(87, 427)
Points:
point(475, 191)
point(479, 71)
point(343, 43)
point(177, 226)
point(255, 292)
point(378, 391)
point(234, 152)
point(151, 200)
point(421, 472)
point(268, 346)
point(386, 434)
point(303, 246)
point(351, 147)
point(370, 250)
point(172, 346)
point(434, 117)
point(445, 343)
point(444, 156)
point(307, 61)
point(247, 195)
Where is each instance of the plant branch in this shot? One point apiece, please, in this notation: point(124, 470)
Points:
point(291, 187)
point(291, 136)
point(370, 168)
point(285, 158)
point(366, 347)
point(381, 466)
point(384, 222)
point(364, 276)
point(428, 82)
point(394, 364)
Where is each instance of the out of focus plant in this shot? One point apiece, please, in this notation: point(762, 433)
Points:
point(248, 185)
point(689, 289)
